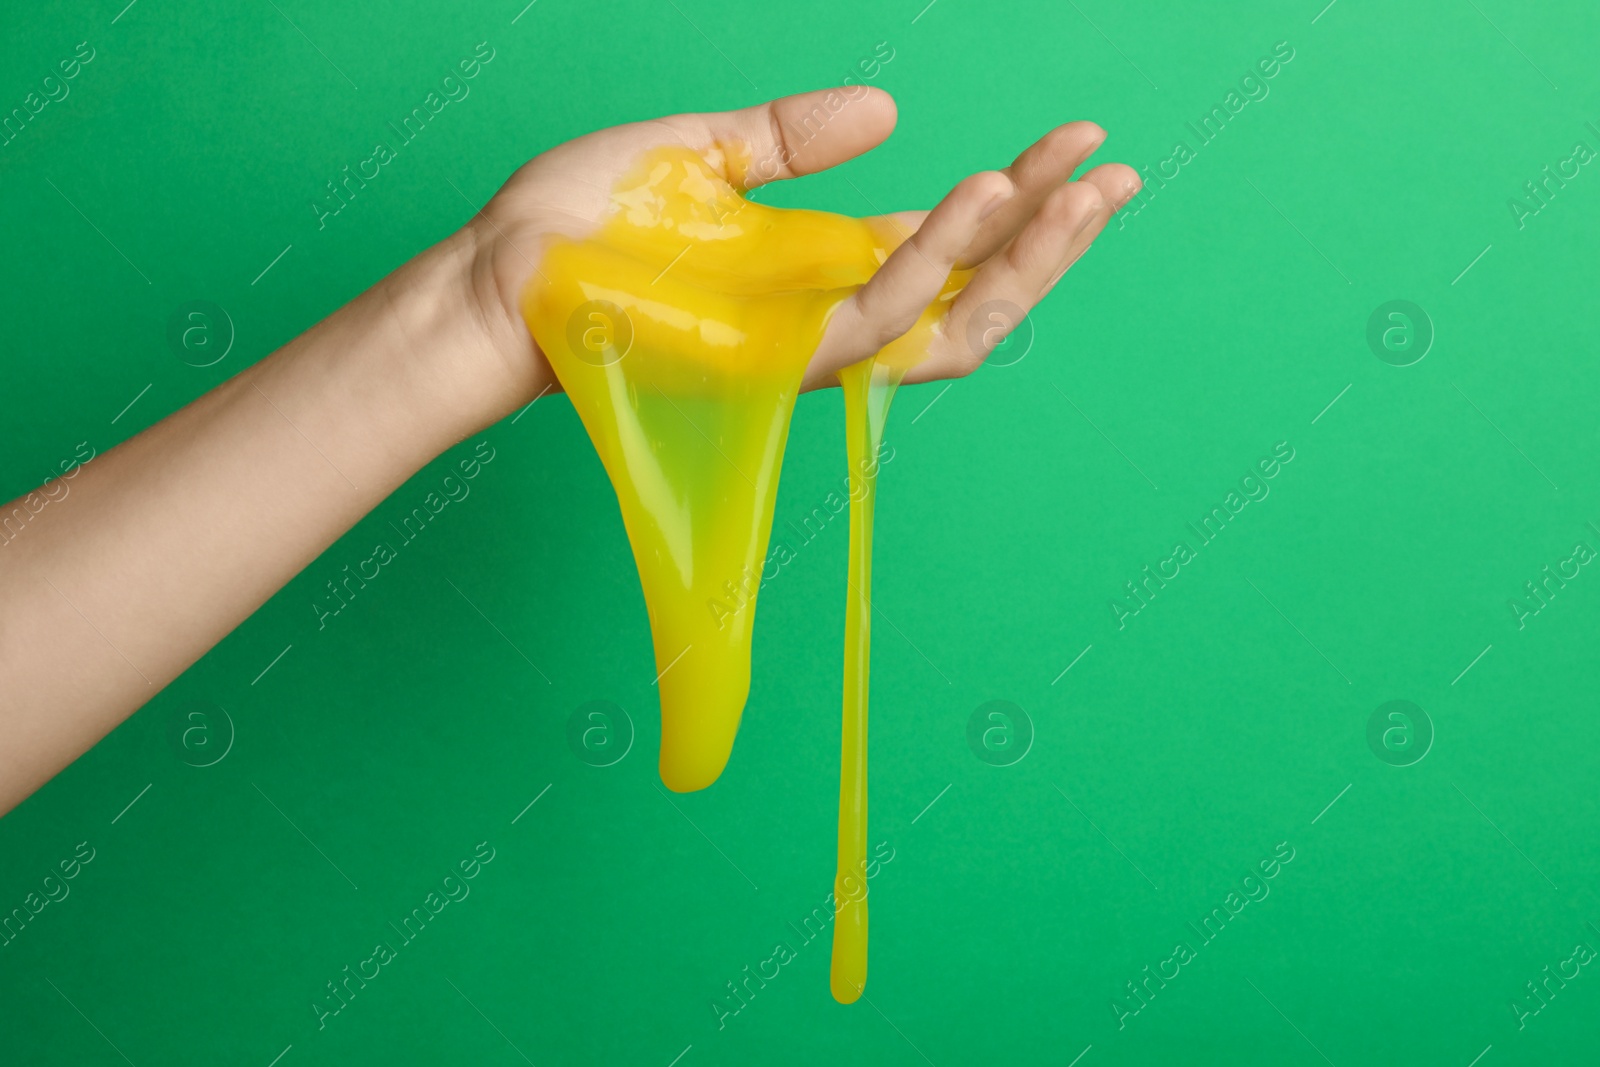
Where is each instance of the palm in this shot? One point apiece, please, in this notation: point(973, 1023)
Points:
point(1042, 224)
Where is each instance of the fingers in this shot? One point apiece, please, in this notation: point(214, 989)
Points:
point(1010, 284)
point(911, 278)
point(1117, 182)
point(1040, 170)
point(792, 135)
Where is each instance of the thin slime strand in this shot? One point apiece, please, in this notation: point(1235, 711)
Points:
point(868, 390)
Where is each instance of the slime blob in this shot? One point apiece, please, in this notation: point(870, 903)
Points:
point(681, 330)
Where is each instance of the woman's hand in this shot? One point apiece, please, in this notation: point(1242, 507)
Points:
point(174, 537)
point(1022, 226)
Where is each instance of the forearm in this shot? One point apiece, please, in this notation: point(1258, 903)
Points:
point(163, 545)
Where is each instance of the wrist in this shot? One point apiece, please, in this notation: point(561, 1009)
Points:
point(403, 372)
point(470, 356)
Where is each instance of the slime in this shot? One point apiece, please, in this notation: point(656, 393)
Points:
point(681, 330)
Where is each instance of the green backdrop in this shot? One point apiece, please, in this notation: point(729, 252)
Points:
point(289, 802)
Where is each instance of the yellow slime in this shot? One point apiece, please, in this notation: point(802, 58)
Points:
point(681, 330)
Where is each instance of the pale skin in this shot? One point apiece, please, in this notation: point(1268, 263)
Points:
point(167, 542)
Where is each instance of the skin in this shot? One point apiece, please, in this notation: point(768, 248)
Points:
point(168, 541)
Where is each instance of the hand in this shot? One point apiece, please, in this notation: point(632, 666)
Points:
point(1022, 227)
point(273, 465)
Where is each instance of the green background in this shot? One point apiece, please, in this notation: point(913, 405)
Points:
point(1173, 756)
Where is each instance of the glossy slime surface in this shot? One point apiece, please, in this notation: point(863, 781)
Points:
point(681, 330)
